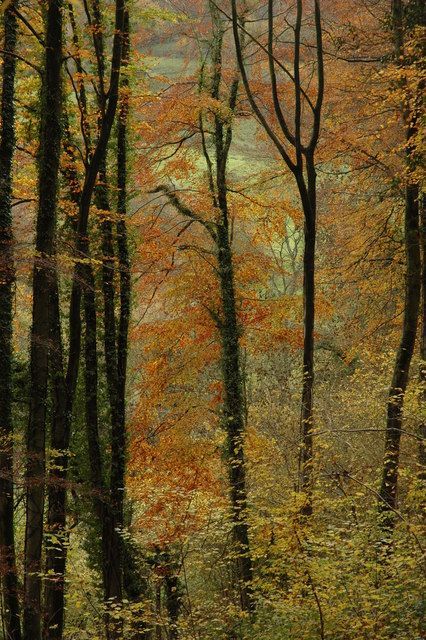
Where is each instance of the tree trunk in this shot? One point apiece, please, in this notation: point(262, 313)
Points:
point(234, 419)
point(173, 601)
point(134, 584)
point(308, 198)
point(7, 275)
point(113, 518)
point(115, 344)
point(122, 239)
point(394, 423)
point(226, 317)
point(101, 502)
point(422, 372)
point(234, 403)
point(389, 485)
point(57, 538)
point(44, 274)
point(293, 138)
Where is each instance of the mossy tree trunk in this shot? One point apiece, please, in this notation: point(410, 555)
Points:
point(395, 407)
point(7, 276)
point(44, 288)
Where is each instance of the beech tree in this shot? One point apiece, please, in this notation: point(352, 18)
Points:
point(296, 145)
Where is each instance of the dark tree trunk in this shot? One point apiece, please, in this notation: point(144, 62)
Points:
point(417, 17)
point(122, 235)
point(422, 373)
point(8, 572)
point(113, 518)
point(308, 198)
point(115, 337)
point(56, 546)
point(113, 510)
point(394, 423)
point(44, 275)
point(101, 503)
point(135, 586)
point(296, 153)
point(173, 602)
point(63, 386)
point(168, 583)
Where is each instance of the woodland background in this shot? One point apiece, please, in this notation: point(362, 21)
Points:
point(212, 320)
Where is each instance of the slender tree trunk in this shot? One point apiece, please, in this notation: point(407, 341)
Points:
point(418, 8)
point(134, 584)
point(57, 539)
point(292, 137)
point(158, 634)
point(226, 317)
point(7, 275)
point(394, 423)
point(115, 343)
point(44, 274)
point(422, 372)
point(63, 386)
point(168, 583)
point(114, 520)
point(101, 503)
point(110, 524)
point(308, 198)
point(122, 234)
point(111, 512)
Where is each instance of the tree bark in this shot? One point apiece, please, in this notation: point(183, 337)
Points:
point(10, 594)
point(57, 538)
point(422, 372)
point(394, 423)
point(113, 516)
point(113, 511)
point(116, 337)
point(44, 275)
point(122, 234)
point(234, 421)
point(308, 198)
